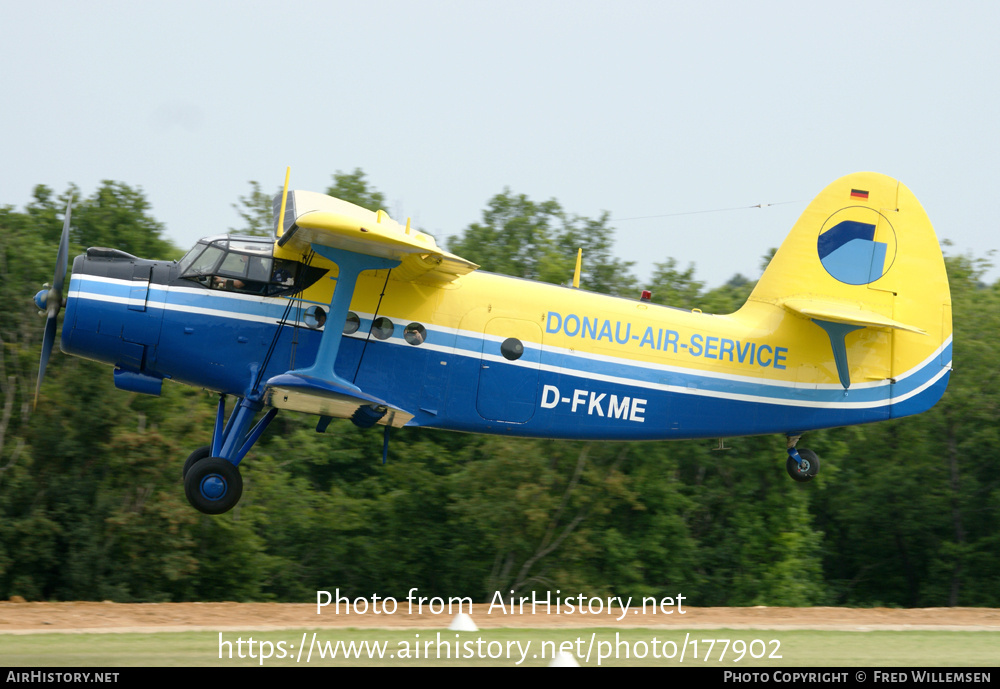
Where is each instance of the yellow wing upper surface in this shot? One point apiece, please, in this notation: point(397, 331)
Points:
point(313, 218)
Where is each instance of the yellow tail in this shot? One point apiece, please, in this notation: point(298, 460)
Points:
point(864, 265)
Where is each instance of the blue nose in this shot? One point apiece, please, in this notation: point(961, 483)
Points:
point(42, 298)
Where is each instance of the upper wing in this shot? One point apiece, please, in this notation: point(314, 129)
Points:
point(312, 218)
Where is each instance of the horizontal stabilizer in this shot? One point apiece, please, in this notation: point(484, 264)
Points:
point(334, 398)
point(836, 312)
point(314, 218)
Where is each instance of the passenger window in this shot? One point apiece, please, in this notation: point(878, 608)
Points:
point(512, 349)
point(314, 317)
point(415, 334)
point(351, 323)
point(382, 328)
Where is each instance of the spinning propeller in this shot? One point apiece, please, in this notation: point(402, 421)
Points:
point(50, 300)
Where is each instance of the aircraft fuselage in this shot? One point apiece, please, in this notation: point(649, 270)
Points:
point(576, 365)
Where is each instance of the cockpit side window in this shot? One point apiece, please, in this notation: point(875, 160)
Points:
point(285, 272)
point(189, 257)
point(206, 262)
point(234, 265)
point(244, 266)
point(259, 269)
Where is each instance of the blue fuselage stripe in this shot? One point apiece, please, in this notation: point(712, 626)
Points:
point(439, 380)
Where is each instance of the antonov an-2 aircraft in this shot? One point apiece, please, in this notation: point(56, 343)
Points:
point(347, 314)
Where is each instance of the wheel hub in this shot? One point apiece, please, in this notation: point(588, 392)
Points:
point(213, 487)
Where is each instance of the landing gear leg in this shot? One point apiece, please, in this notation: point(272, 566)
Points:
point(801, 465)
point(212, 480)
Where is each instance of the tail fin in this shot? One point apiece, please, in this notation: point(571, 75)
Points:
point(864, 265)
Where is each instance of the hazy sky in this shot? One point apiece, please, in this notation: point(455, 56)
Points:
point(637, 108)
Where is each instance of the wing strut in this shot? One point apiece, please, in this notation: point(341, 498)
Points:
point(318, 389)
point(350, 265)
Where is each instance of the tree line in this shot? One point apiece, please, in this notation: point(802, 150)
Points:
point(905, 512)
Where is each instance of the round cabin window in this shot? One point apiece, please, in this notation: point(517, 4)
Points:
point(352, 323)
point(314, 317)
point(382, 328)
point(512, 349)
point(415, 334)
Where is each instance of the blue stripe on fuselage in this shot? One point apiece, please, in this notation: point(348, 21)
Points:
point(676, 402)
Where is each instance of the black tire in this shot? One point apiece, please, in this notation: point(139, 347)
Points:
point(196, 456)
point(213, 485)
point(805, 471)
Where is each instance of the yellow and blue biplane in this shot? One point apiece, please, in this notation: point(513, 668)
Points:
point(345, 313)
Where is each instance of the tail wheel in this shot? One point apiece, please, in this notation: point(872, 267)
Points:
point(806, 470)
point(213, 485)
point(196, 456)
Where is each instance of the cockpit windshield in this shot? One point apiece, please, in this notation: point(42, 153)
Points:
point(238, 264)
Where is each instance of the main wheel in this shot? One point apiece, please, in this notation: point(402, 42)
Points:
point(213, 485)
point(806, 470)
point(196, 456)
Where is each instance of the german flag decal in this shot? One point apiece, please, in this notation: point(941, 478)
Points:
point(858, 194)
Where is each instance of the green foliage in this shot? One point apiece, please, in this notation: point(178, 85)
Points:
point(354, 188)
point(672, 287)
point(118, 216)
point(257, 212)
point(539, 241)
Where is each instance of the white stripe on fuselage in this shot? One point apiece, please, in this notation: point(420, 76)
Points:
point(589, 375)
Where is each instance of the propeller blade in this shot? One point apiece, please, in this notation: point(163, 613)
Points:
point(62, 257)
point(47, 342)
point(53, 300)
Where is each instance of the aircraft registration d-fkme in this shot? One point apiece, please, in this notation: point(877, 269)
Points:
point(345, 313)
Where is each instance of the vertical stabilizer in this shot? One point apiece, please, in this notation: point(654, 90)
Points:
point(864, 267)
